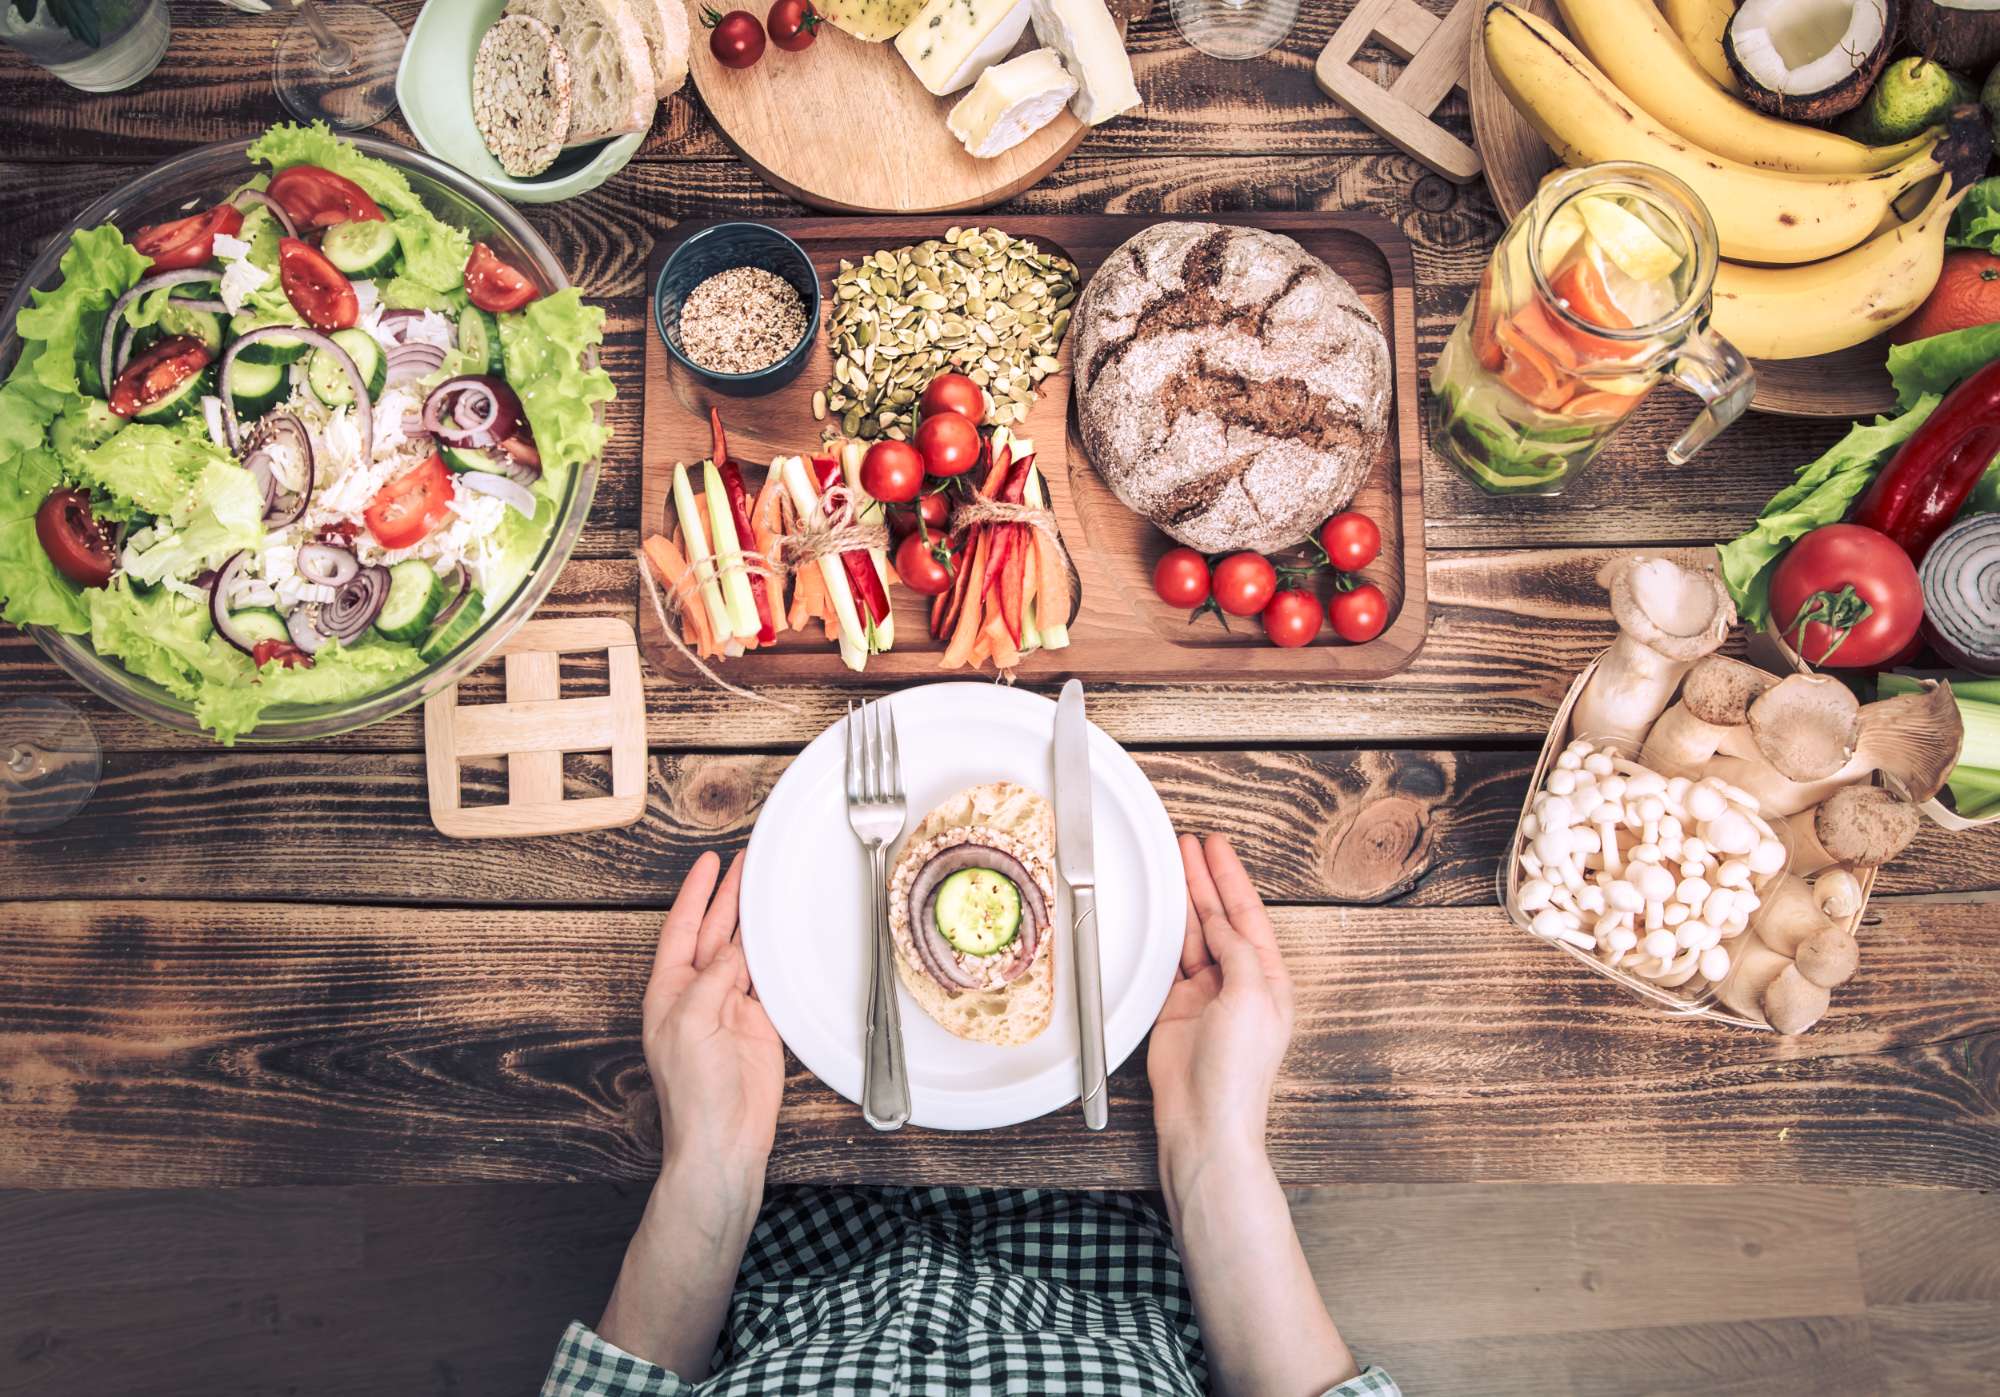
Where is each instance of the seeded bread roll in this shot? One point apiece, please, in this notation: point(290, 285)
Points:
point(521, 94)
point(1230, 386)
point(610, 69)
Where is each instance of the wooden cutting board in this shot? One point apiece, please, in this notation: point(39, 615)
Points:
point(1122, 630)
point(845, 126)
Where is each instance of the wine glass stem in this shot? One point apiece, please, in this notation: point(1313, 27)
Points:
point(22, 761)
point(335, 54)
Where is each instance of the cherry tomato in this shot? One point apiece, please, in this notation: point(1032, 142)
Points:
point(157, 372)
point(187, 242)
point(285, 653)
point(1291, 618)
point(893, 472)
point(1181, 578)
point(1360, 614)
point(924, 564)
point(1351, 541)
point(954, 393)
point(934, 509)
point(495, 285)
point(736, 39)
point(316, 198)
point(1244, 583)
point(950, 443)
point(1855, 580)
point(74, 538)
point(315, 287)
point(794, 24)
point(405, 510)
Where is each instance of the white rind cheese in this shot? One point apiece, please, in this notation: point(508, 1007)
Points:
point(951, 42)
point(1083, 32)
point(873, 20)
point(1010, 102)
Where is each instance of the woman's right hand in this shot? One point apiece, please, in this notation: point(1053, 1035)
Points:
point(1219, 1040)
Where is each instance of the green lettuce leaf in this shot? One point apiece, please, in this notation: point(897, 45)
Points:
point(35, 594)
point(402, 293)
point(1976, 223)
point(511, 549)
point(1939, 364)
point(337, 675)
point(163, 637)
point(98, 268)
point(542, 346)
point(154, 469)
point(223, 515)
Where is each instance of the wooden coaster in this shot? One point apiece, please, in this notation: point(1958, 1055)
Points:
point(535, 727)
point(1437, 55)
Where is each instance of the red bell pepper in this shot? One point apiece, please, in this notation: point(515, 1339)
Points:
point(739, 510)
point(1928, 481)
point(861, 574)
point(719, 440)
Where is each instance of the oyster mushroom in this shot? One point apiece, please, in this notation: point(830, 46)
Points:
point(1668, 617)
point(1756, 966)
point(1715, 698)
point(1790, 915)
point(1913, 740)
point(1792, 1003)
point(1855, 827)
point(1829, 959)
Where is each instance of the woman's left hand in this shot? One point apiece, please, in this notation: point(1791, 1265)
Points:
point(717, 1063)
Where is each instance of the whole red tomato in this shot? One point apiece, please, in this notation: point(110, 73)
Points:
point(1360, 614)
point(925, 564)
point(950, 443)
point(1181, 578)
point(793, 24)
point(736, 39)
point(1244, 583)
point(934, 509)
point(1351, 541)
point(954, 393)
point(1291, 618)
point(892, 472)
point(1846, 596)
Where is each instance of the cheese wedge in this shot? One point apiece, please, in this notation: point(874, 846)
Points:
point(951, 42)
point(1083, 32)
point(873, 20)
point(1010, 102)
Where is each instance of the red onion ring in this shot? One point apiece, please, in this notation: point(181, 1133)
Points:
point(497, 411)
point(326, 564)
point(512, 492)
point(119, 306)
point(218, 606)
point(408, 362)
point(258, 196)
point(258, 463)
point(1961, 583)
point(458, 577)
point(364, 410)
point(307, 636)
point(356, 604)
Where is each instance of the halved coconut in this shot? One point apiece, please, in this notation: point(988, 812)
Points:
point(1809, 60)
point(1962, 34)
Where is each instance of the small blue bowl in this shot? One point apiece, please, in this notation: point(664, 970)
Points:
point(719, 248)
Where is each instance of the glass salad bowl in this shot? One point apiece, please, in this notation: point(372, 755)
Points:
point(196, 180)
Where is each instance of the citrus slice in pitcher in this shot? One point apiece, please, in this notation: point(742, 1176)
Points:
point(1627, 240)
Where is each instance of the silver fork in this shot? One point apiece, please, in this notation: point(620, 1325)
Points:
point(877, 811)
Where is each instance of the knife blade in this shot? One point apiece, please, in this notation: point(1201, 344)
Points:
point(1076, 855)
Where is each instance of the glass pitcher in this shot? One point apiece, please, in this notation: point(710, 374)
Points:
point(1598, 292)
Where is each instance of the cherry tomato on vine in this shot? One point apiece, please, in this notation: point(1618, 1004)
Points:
point(1351, 540)
point(74, 538)
point(950, 443)
point(736, 39)
point(1360, 614)
point(1244, 583)
point(954, 393)
point(934, 509)
point(1291, 618)
point(793, 24)
point(1181, 578)
point(892, 472)
point(924, 564)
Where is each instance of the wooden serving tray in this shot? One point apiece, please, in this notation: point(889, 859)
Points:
point(1851, 383)
point(1122, 630)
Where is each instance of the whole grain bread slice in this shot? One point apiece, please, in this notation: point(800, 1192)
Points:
point(610, 69)
point(521, 94)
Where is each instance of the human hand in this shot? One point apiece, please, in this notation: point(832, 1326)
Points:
point(1219, 1039)
point(717, 1064)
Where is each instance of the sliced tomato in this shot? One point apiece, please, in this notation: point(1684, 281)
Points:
point(317, 198)
point(315, 287)
point(157, 372)
point(405, 510)
point(284, 652)
point(74, 538)
point(187, 242)
point(495, 285)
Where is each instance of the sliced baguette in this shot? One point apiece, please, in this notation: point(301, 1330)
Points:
point(666, 25)
point(521, 94)
point(610, 71)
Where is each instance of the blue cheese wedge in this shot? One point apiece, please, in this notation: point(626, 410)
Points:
point(1010, 102)
point(1083, 32)
point(872, 20)
point(951, 42)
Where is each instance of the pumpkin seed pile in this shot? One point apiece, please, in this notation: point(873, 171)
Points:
point(987, 305)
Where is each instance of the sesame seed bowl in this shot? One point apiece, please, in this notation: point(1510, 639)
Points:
point(757, 307)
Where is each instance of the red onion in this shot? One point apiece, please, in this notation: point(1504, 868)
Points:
point(356, 604)
point(219, 606)
point(482, 409)
point(211, 415)
point(512, 492)
point(1961, 582)
point(118, 307)
point(280, 424)
point(326, 564)
point(396, 325)
point(124, 355)
point(409, 362)
point(364, 411)
point(458, 577)
point(258, 196)
point(307, 636)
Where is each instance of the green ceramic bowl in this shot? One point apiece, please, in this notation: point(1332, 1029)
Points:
point(434, 88)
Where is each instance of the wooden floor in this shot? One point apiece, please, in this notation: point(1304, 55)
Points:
point(1484, 1291)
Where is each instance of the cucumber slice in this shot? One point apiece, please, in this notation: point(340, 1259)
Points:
point(279, 349)
point(204, 326)
point(978, 911)
point(256, 388)
point(257, 623)
point(416, 593)
point(182, 401)
point(362, 248)
point(479, 341)
point(466, 458)
point(453, 633)
point(329, 382)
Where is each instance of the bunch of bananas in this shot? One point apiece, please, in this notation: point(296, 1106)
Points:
point(1819, 254)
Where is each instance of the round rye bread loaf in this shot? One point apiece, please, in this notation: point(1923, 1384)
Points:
point(1231, 387)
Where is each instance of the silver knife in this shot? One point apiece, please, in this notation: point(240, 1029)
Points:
point(1076, 854)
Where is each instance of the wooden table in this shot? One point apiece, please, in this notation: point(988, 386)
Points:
point(257, 966)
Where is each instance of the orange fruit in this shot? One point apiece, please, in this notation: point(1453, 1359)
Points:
point(1530, 371)
point(1967, 294)
point(1584, 294)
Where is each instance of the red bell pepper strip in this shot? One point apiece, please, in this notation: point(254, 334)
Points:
point(861, 574)
point(719, 441)
point(1924, 486)
point(739, 510)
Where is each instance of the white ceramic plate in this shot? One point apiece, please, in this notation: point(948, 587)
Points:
point(805, 908)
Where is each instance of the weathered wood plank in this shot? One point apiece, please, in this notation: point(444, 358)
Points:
point(217, 1044)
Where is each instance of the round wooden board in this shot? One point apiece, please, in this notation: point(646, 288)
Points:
point(845, 126)
point(1852, 383)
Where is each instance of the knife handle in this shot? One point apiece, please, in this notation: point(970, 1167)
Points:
point(1089, 1008)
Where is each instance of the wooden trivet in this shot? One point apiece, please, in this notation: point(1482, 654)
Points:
point(1437, 54)
point(535, 727)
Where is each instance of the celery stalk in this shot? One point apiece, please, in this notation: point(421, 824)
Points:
point(1975, 791)
point(805, 498)
point(694, 539)
point(735, 578)
point(1963, 686)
